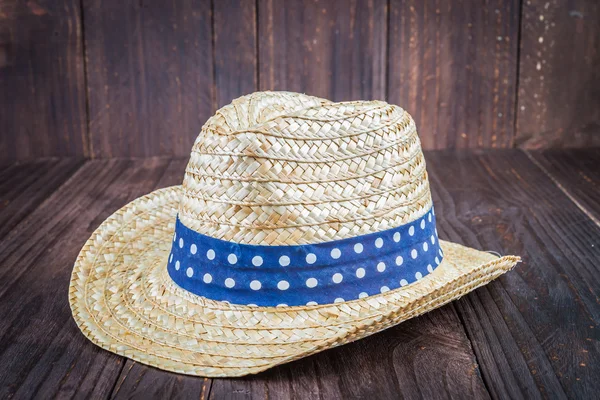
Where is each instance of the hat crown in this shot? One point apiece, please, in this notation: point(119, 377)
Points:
point(280, 168)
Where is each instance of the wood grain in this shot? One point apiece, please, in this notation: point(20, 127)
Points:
point(534, 329)
point(332, 49)
point(138, 381)
point(235, 49)
point(577, 172)
point(24, 186)
point(42, 90)
point(47, 354)
point(149, 74)
point(139, 78)
point(559, 78)
point(452, 66)
point(428, 357)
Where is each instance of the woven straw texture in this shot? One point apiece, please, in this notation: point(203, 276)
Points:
point(281, 168)
point(271, 168)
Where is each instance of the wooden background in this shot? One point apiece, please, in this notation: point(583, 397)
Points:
point(114, 78)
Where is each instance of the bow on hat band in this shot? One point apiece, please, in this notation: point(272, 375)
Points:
point(309, 274)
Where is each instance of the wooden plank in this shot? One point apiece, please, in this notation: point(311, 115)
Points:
point(235, 49)
point(142, 382)
point(427, 357)
point(535, 329)
point(43, 352)
point(149, 75)
point(559, 78)
point(42, 91)
point(577, 173)
point(452, 66)
point(24, 186)
point(332, 49)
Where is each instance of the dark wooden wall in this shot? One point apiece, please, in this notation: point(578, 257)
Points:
point(114, 78)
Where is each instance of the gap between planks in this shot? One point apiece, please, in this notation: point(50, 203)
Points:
point(562, 188)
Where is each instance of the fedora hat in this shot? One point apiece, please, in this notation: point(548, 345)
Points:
point(301, 224)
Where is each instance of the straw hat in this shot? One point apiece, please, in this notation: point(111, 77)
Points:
point(302, 224)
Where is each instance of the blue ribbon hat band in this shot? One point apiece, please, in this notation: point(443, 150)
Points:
point(321, 273)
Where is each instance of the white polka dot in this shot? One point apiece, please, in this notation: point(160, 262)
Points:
point(430, 268)
point(399, 260)
point(284, 261)
point(411, 230)
point(189, 272)
point(282, 305)
point(232, 258)
point(397, 237)
point(441, 254)
point(423, 224)
point(207, 278)
point(379, 243)
point(432, 239)
point(418, 275)
point(436, 234)
point(339, 300)
point(362, 295)
point(384, 289)
point(210, 254)
point(358, 248)
point(360, 273)
point(437, 261)
point(381, 267)
point(311, 282)
point(337, 278)
point(425, 246)
point(171, 258)
point(403, 282)
point(429, 217)
point(336, 253)
point(229, 283)
point(177, 265)
point(255, 285)
point(180, 243)
point(312, 303)
point(175, 236)
point(433, 210)
point(414, 253)
point(257, 261)
point(311, 258)
point(252, 305)
point(283, 285)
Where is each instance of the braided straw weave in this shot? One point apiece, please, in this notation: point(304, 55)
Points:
point(278, 169)
point(289, 169)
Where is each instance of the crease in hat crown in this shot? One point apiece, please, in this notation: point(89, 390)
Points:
point(280, 168)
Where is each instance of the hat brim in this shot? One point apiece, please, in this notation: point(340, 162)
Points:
point(123, 300)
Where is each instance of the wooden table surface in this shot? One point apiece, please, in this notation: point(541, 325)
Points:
point(533, 333)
